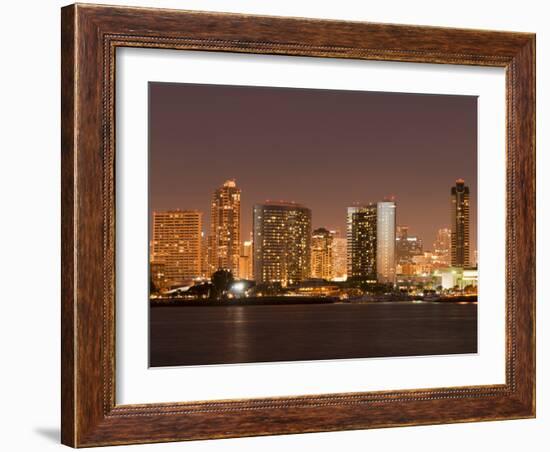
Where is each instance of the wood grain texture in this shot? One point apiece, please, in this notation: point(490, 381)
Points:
point(90, 36)
point(67, 224)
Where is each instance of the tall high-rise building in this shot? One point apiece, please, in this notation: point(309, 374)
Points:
point(361, 242)
point(460, 224)
point(225, 227)
point(177, 244)
point(282, 242)
point(339, 257)
point(385, 241)
point(321, 254)
point(442, 246)
point(406, 246)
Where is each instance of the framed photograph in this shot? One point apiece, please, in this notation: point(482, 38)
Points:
point(281, 225)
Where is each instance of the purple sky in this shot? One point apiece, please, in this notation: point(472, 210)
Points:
point(325, 149)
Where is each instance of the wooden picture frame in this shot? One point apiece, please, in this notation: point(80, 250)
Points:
point(90, 36)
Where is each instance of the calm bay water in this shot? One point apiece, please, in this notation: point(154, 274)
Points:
point(197, 335)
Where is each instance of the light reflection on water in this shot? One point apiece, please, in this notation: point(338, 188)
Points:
point(195, 335)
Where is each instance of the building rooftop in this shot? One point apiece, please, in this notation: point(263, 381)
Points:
point(282, 204)
point(172, 211)
point(230, 183)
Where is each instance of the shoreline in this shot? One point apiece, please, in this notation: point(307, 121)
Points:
point(282, 301)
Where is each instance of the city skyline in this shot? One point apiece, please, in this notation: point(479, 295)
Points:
point(285, 249)
point(326, 168)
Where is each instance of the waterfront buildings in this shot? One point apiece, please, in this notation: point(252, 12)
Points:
point(361, 242)
point(225, 227)
point(459, 277)
point(385, 241)
point(321, 254)
point(318, 288)
point(282, 242)
point(282, 249)
point(176, 244)
point(460, 224)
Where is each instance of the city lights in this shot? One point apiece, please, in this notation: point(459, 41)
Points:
point(285, 256)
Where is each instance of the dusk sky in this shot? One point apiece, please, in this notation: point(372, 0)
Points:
point(326, 149)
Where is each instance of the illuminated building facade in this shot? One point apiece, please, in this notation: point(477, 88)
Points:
point(177, 244)
point(158, 276)
point(339, 258)
point(246, 261)
point(321, 254)
point(225, 227)
point(425, 263)
point(406, 246)
point(460, 224)
point(385, 241)
point(282, 242)
point(208, 260)
point(205, 270)
point(361, 242)
point(442, 246)
point(459, 278)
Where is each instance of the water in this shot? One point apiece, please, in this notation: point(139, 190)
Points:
point(197, 335)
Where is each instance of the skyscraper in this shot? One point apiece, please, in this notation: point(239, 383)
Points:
point(321, 254)
point(177, 244)
point(361, 238)
point(460, 224)
point(225, 227)
point(282, 242)
point(385, 241)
